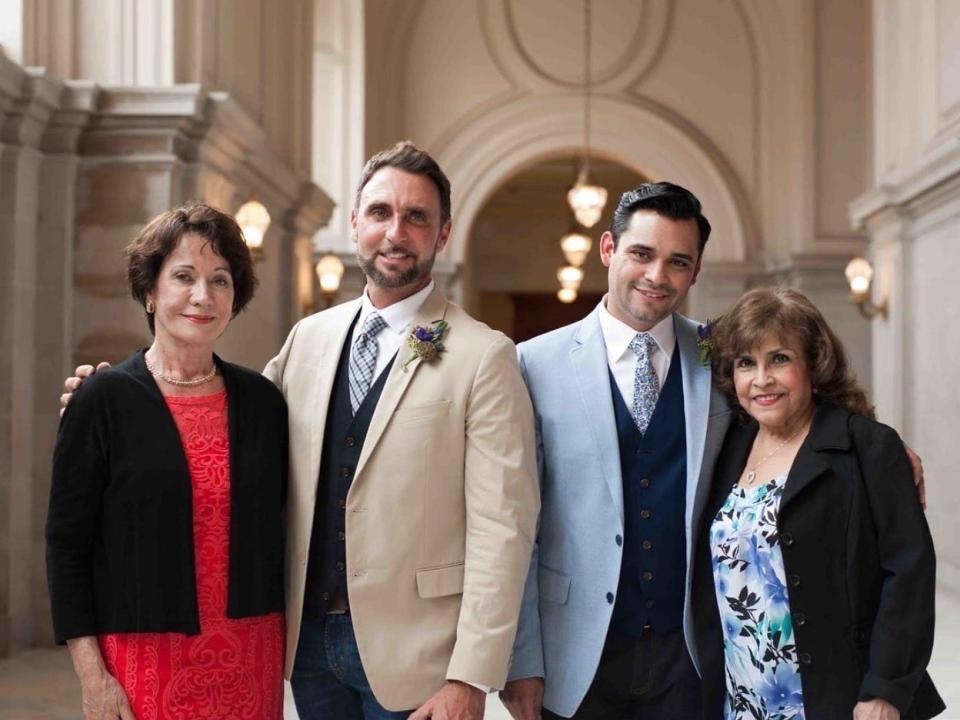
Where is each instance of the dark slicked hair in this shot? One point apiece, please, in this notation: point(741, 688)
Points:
point(146, 254)
point(408, 157)
point(663, 198)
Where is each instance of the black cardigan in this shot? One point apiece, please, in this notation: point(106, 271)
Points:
point(120, 555)
point(859, 560)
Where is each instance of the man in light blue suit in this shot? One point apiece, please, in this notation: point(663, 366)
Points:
point(628, 429)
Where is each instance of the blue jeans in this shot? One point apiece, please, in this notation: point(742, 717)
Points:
point(328, 680)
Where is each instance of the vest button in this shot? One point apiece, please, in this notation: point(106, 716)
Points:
point(610, 598)
point(646, 544)
point(342, 504)
point(645, 483)
point(350, 441)
point(647, 575)
point(618, 540)
point(786, 539)
point(805, 658)
point(645, 514)
point(341, 535)
point(793, 580)
point(340, 566)
point(346, 472)
point(799, 619)
point(326, 596)
point(648, 604)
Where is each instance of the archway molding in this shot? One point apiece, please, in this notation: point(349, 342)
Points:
point(642, 136)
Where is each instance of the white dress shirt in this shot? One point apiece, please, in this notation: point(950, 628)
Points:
point(398, 317)
point(623, 361)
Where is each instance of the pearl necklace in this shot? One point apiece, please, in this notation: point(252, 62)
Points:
point(194, 382)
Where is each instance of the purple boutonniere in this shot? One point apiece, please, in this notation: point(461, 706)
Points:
point(426, 342)
point(705, 341)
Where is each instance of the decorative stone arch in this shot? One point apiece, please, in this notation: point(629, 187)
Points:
point(644, 137)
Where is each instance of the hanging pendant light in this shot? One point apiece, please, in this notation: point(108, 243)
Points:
point(586, 200)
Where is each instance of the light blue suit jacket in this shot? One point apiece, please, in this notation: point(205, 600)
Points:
point(576, 561)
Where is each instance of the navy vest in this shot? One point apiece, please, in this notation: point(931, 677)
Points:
point(342, 442)
point(654, 470)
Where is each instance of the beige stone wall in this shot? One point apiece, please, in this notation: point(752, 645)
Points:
point(912, 212)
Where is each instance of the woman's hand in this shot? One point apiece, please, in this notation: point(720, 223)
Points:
point(103, 697)
point(875, 709)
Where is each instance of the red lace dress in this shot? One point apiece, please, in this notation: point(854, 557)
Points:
point(233, 668)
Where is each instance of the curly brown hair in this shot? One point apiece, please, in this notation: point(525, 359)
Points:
point(786, 314)
point(160, 237)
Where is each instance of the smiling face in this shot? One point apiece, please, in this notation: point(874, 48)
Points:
point(398, 228)
point(193, 294)
point(650, 268)
point(773, 384)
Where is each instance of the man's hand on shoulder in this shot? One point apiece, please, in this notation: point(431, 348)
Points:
point(523, 698)
point(80, 374)
point(454, 701)
point(917, 464)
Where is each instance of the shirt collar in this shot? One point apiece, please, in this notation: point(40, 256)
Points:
point(617, 334)
point(400, 314)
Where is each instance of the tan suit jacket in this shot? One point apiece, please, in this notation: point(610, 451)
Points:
point(442, 510)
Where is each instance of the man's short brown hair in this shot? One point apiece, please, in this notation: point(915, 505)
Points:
point(147, 253)
point(408, 157)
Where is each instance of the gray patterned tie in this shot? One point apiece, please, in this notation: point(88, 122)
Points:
point(363, 359)
point(646, 387)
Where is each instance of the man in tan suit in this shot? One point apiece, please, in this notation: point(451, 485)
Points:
point(406, 561)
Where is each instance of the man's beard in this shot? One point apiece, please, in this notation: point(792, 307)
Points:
point(416, 272)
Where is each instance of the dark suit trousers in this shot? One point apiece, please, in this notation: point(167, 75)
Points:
point(645, 678)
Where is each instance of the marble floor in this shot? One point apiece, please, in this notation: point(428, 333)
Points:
point(40, 685)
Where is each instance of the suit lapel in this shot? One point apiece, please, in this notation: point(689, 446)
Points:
point(696, 411)
point(592, 375)
point(324, 356)
point(405, 366)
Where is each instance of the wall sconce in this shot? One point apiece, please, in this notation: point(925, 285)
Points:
point(253, 219)
point(329, 273)
point(859, 274)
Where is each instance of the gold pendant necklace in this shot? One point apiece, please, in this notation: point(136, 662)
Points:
point(752, 473)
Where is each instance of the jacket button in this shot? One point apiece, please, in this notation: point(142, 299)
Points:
point(350, 441)
point(786, 539)
point(345, 472)
point(610, 598)
point(645, 514)
point(647, 575)
point(646, 544)
point(326, 596)
point(340, 566)
point(341, 535)
point(799, 619)
point(645, 483)
point(805, 658)
point(619, 540)
point(859, 634)
point(648, 604)
point(342, 504)
point(793, 580)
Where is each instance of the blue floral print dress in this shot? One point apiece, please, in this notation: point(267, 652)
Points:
point(760, 652)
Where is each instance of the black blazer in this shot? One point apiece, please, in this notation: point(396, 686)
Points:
point(120, 554)
point(859, 563)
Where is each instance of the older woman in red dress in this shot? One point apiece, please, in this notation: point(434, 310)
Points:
point(164, 537)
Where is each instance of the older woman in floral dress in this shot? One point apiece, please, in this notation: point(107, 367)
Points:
point(813, 580)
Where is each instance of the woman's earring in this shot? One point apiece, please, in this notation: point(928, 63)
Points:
point(151, 308)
